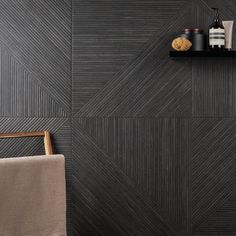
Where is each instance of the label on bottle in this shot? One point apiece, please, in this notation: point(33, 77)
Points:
point(217, 37)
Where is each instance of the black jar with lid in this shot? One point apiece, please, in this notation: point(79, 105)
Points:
point(196, 37)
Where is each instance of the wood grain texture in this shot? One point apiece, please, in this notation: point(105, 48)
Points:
point(44, 134)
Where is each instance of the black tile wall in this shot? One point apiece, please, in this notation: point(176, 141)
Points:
point(35, 78)
point(147, 129)
point(127, 164)
point(149, 141)
point(213, 176)
point(214, 88)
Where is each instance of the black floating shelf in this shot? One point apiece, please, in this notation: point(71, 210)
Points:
point(178, 54)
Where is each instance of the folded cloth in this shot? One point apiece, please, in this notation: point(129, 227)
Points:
point(32, 196)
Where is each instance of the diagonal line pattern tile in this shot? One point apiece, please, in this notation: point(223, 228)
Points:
point(139, 167)
point(214, 88)
point(18, 147)
point(35, 31)
point(35, 78)
point(222, 221)
point(213, 166)
point(133, 145)
point(61, 133)
point(20, 94)
point(110, 193)
point(213, 79)
point(111, 90)
point(120, 83)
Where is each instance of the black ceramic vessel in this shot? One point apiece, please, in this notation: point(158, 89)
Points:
point(196, 37)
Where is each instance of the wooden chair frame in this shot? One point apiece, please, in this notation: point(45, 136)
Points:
point(45, 134)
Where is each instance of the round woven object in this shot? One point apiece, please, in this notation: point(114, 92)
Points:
point(181, 44)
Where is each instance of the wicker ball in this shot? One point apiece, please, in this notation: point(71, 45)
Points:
point(181, 44)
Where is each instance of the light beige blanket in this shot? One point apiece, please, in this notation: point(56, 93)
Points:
point(32, 196)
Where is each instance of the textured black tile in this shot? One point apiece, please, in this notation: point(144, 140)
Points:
point(36, 61)
point(61, 137)
point(203, 15)
point(127, 155)
point(130, 176)
point(21, 94)
point(213, 176)
point(114, 74)
point(213, 79)
point(35, 78)
point(214, 89)
point(222, 222)
point(19, 146)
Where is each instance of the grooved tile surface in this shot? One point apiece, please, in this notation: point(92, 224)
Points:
point(60, 130)
point(213, 80)
point(127, 173)
point(214, 88)
point(153, 138)
point(222, 221)
point(120, 59)
point(21, 93)
point(35, 78)
point(149, 142)
point(37, 35)
point(213, 176)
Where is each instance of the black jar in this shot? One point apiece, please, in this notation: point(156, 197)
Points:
point(196, 37)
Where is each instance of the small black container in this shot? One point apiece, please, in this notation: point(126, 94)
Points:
point(196, 37)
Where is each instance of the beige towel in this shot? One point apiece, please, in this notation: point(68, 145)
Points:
point(32, 196)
